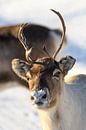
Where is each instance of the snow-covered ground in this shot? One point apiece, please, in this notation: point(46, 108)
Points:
point(15, 110)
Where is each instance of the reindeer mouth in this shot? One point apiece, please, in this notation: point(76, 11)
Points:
point(40, 104)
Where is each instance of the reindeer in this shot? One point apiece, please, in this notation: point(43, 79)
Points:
point(10, 47)
point(61, 105)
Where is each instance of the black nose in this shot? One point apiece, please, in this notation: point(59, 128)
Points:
point(44, 96)
point(38, 96)
point(32, 98)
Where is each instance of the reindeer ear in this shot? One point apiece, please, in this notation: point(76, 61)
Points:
point(66, 64)
point(21, 68)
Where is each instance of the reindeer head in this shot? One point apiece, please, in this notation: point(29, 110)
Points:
point(45, 75)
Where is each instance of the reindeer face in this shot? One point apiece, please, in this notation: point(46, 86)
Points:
point(45, 78)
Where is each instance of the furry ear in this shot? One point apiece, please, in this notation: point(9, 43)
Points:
point(66, 64)
point(21, 68)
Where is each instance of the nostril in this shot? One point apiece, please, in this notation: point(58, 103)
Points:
point(32, 98)
point(44, 96)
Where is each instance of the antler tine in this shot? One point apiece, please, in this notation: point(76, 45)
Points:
point(21, 37)
point(45, 50)
point(63, 35)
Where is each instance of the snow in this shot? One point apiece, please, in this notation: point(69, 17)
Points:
point(16, 111)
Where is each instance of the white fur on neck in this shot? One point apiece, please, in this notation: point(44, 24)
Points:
point(48, 119)
point(67, 112)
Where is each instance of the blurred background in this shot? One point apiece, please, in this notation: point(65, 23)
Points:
point(16, 113)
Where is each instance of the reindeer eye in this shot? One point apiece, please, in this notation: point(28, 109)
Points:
point(56, 73)
point(28, 75)
point(27, 78)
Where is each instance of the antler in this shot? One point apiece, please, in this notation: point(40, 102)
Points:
point(24, 42)
point(21, 37)
point(28, 50)
point(63, 35)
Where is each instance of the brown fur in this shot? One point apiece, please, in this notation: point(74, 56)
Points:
point(46, 81)
point(11, 47)
point(48, 92)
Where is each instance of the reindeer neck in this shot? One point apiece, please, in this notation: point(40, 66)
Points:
point(58, 117)
point(50, 119)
